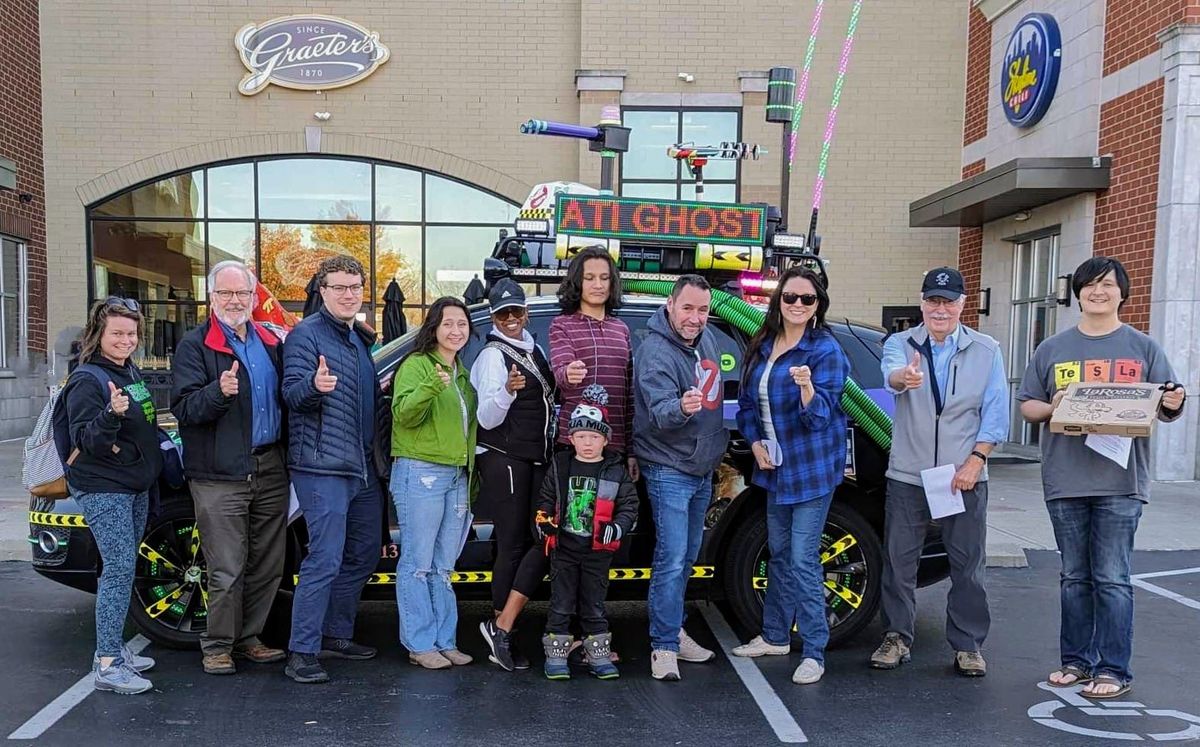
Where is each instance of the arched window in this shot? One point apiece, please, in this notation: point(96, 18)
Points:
point(282, 216)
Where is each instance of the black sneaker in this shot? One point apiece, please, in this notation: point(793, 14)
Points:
point(499, 643)
point(305, 669)
point(344, 648)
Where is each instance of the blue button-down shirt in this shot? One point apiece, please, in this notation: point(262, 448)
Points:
point(993, 415)
point(265, 415)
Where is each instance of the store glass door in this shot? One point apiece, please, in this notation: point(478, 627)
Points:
point(1035, 265)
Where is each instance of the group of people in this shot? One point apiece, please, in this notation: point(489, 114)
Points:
point(257, 414)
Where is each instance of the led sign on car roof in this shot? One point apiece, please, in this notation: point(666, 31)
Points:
point(661, 220)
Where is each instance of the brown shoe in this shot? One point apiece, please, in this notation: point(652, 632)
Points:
point(429, 660)
point(219, 664)
point(456, 657)
point(891, 653)
point(970, 664)
point(260, 654)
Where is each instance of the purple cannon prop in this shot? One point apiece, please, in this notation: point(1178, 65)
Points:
point(607, 138)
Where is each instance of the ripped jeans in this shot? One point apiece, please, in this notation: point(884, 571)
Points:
point(431, 508)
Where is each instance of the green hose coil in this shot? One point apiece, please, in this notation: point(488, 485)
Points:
point(857, 404)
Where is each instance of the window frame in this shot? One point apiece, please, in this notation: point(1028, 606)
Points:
point(8, 357)
point(681, 177)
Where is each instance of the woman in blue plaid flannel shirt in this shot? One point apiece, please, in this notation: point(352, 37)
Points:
point(790, 412)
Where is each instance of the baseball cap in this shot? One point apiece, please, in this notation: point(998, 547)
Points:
point(504, 294)
point(943, 282)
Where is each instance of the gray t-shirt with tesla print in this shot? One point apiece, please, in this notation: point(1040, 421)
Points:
point(1069, 468)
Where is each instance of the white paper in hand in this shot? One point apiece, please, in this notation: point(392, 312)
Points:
point(774, 453)
point(942, 498)
point(293, 510)
point(1115, 448)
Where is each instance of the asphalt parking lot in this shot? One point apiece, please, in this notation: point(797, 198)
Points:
point(48, 642)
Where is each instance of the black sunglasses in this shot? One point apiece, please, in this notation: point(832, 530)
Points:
point(808, 299)
point(128, 303)
point(509, 311)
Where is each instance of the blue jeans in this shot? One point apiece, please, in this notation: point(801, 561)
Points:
point(1095, 538)
point(117, 522)
point(431, 507)
point(678, 502)
point(345, 524)
point(796, 582)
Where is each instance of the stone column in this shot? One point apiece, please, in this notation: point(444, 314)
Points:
point(1175, 293)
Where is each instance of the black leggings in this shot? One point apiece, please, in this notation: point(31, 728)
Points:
point(510, 488)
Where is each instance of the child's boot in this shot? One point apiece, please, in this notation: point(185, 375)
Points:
point(598, 649)
point(556, 656)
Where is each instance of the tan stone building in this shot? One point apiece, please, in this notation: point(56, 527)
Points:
point(157, 166)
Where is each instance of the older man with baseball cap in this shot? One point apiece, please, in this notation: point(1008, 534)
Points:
point(952, 408)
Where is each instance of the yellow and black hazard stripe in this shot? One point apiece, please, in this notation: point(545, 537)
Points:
point(56, 520)
point(165, 603)
point(851, 598)
point(536, 214)
point(485, 577)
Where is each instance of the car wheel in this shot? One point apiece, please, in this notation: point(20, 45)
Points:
point(170, 585)
point(850, 554)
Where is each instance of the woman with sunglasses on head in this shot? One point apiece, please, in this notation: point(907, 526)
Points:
point(114, 461)
point(790, 412)
point(516, 435)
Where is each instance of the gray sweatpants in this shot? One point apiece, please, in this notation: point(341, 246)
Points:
point(965, 538)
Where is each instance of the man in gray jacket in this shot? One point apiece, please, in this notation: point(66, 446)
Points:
point(679, 438)
point(951, 409)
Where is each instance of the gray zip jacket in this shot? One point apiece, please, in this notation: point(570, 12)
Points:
point(921, 436)
point(664, 368)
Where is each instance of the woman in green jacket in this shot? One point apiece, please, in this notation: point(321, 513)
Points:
point(433, 441)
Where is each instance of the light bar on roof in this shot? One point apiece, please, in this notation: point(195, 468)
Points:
point(788, 241)
point(757, 285)
point(532, 226)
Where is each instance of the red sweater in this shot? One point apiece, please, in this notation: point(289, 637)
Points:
point(604, 347)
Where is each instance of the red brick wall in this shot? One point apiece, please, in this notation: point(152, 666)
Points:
point(1131, 27)
point(21, 141)
point(970, 257)
point(979, 59)
point(1131, 132)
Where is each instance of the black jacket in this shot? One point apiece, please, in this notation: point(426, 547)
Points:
point(217, 430)
point(325, 431)
point(117, 453)
point(528, 431)
point(616, 496)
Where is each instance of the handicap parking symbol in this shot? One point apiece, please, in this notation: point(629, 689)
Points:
point(1071, 703)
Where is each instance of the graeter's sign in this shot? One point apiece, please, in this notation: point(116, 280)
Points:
point(308, 53)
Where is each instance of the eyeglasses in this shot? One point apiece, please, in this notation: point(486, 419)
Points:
point(509, 312)
point(127, 303)
point(341, 290)
point(808, 299)
point(225, 295)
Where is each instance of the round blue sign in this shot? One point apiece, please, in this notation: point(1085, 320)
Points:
point(1030, 70)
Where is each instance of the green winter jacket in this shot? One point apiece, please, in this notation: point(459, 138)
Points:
point(427, 417)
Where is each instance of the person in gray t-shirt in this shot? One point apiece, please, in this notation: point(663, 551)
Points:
point(1095, 503)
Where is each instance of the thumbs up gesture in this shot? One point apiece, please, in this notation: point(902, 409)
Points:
point(118, 400)
point(802, 375)
point(913, 376)
point(576, 371)
point(443, 374)
point(516, 380)
point(229, 381)
point(324, 381)
point(691, 401)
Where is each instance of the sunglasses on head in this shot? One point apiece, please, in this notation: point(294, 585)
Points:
point(128, 303)
point(808, 299)
point(509, 311)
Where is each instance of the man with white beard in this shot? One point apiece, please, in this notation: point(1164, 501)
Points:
point(227, 399)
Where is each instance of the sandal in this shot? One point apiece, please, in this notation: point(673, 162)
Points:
point(1069, 670)
point(1106, 679)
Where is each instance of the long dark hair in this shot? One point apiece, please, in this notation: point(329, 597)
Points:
point(101, 312)
point(772, 325)
point(426, 339)
point(570, 290)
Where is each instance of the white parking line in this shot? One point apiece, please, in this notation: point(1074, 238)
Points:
point(1137, 580)
point(62, 705)
point(773, 709)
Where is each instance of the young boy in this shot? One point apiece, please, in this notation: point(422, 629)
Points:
point(587, 504)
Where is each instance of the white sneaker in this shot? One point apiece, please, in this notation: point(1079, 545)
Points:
point(808, 672)
point(663, 666)
point(691, 651)
point(759, 647)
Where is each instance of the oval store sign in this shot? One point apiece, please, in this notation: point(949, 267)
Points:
point(308, 53)
point(1030, 71)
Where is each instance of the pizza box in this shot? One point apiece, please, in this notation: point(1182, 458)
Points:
point(1112, 409)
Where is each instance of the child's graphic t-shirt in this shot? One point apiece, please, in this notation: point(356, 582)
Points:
point(581, 498)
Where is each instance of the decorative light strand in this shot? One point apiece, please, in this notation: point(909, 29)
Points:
point(819, 187)
point(803, 92)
